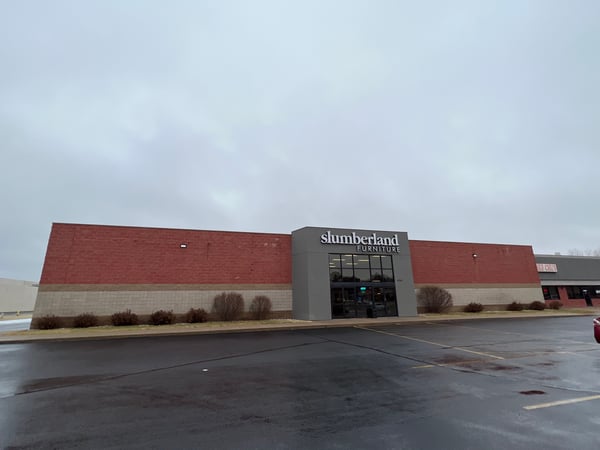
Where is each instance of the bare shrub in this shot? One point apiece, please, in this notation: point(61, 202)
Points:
point(228, 306)
point(555, 304)
point(515, 306)
point(85, 320)
point(161, 317)
point(474, 307)
point(434, 299)
point(537, 306)
point(124, 318)
point(48, 322)
point(260, 308)
point(196, 316)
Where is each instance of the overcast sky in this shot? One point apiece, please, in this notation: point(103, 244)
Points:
point(473, 121)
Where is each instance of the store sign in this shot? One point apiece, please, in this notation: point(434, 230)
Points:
point(370, 243)
point(547, 268)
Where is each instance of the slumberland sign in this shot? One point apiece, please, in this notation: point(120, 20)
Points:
point(370, 243)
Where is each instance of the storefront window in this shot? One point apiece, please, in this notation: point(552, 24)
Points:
point(362, 286)
point(574, 292)
point(386, 261)
point(362, 274)
point(360, 268)
point(550, 293)
point(388, 275)
point(580, 291)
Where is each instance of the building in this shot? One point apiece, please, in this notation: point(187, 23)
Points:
point(17, 296)
point(313, 273)
point(569, 278)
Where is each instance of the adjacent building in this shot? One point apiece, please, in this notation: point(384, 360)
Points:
point(569, 278)
point(17, 296)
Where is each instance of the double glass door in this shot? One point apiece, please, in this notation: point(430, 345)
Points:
point(363, 300)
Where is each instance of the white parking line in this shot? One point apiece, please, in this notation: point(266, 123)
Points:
point(562, 402)
point(488, 355)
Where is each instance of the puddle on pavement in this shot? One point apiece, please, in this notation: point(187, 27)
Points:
point(485, 365)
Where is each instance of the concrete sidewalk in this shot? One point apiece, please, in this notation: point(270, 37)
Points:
point(110, 332)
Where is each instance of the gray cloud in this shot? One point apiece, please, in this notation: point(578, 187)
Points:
point(468, 121)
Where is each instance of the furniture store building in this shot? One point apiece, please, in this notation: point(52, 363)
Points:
point(311, 274)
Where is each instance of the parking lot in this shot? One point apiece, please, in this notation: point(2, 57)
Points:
point(493, 384)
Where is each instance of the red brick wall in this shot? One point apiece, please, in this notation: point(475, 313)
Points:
point(97, 254)
point(453, 263)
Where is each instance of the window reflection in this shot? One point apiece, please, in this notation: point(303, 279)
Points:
point(362, 285)
point(359, 268)
point(386, 261)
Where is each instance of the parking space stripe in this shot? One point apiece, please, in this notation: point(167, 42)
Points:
point(562, 402)
point(488, 355)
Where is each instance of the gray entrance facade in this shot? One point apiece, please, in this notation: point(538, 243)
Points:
point(344, 273)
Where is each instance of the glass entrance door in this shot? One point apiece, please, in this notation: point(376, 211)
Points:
point(343, 302)
point(363, 300)
point(362, 286)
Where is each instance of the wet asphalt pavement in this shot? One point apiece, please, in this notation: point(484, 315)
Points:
point(484, 384)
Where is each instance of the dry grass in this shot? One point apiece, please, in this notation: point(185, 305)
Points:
point(131, 329)
point(525, 312)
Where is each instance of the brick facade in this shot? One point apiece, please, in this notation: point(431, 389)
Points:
point(112, 255)
point(491, 274)
point(105, 269)
point(454, 263)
